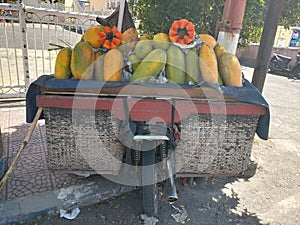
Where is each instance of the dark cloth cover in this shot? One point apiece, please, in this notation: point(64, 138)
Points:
point(248, 93)
point(113, 19)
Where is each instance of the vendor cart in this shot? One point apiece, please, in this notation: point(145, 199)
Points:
point(215, 131)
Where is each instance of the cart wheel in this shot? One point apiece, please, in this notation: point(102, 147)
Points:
point(150, 191)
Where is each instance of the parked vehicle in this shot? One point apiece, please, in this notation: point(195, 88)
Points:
point(280, 64)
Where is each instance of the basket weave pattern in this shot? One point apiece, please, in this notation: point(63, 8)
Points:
point(209, 145)
point(89, 144)
point(215, 145)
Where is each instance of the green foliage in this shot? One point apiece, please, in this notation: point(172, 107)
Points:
point(290, 15)
point(158, 15)
point(253, 22)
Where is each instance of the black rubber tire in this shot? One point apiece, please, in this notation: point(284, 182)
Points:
point(150, 191)
point(296, 71)
point(272, 67)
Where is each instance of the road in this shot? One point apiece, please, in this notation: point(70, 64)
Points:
point(38, 36)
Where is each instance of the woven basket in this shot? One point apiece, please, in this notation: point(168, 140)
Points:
point(209, 144)
point(215, 145)
point(82, 140)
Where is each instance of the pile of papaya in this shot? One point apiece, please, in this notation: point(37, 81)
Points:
point(183, 57)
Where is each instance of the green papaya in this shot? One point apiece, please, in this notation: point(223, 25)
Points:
point(62, 68)
point(98, 66)
point(192, 68)
point(175, 68)
point(134, 61)
point(150, 66)
point(143, 48)
point(82, 60)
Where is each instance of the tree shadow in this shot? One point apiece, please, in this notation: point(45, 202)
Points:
point(210, 202)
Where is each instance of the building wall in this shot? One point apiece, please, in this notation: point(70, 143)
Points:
point(98, 5)
point(104, 4)
point(248, 55)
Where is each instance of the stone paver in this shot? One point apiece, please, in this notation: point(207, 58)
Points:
point(31, 175)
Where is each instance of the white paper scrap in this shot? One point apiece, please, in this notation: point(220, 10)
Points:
point(149, 220)
point(71, 215)
point(180, 216)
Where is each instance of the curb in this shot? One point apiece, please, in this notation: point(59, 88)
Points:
point(29, 208)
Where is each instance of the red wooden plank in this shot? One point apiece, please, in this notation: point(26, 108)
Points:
point(150, 109)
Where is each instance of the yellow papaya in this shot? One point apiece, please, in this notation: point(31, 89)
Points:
point(92, 36)
point(150, 66)
point(208, 39)
point(175, 69)
point(113, 65)
point(98, 66)
point(161, 40)
point(208, 64)
point(134, 61)
point(129, 40)
point(143, 38)
point(130, 36)
point(220, 80)
point(219, 50)
point(62, 68)
point(143, 48)
point(192, 69)
point(230, 70)
point(82, 60)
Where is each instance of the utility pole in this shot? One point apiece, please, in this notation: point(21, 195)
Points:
point(233, 15)
point(266, 43)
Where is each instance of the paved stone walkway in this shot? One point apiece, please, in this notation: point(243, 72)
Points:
point(30, 176)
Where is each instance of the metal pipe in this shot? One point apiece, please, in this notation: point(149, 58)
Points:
point(233, 15)
point(231, 25)
point(172, 197)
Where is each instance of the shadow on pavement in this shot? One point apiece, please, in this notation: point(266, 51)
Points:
point(207, 203)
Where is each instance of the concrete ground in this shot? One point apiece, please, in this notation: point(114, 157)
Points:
point(271, 196)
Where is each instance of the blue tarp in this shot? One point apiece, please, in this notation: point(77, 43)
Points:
point(248, 94)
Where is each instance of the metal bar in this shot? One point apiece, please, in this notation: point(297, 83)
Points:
point(151, 137)
point(1, 73)
point(43, 47)
point(49, 52)
point(24, 45)
point(44, 11)
point(7, 55)
point(35, 48)
point(15, 51)
point(121, 15)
